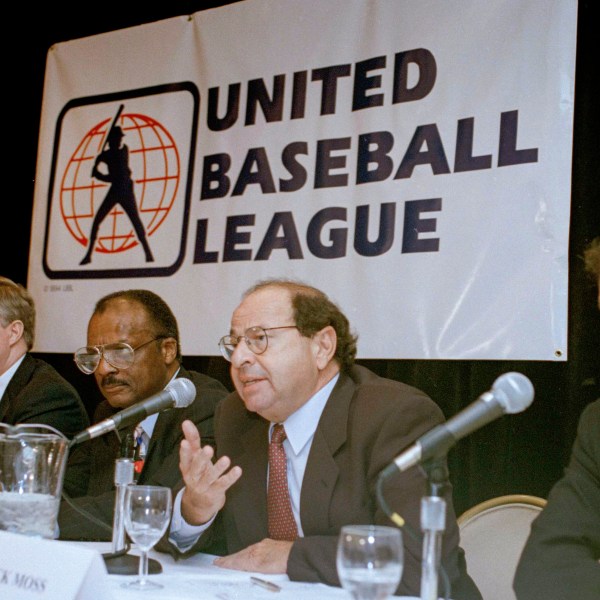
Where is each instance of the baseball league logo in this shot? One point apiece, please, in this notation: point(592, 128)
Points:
point(120, 184)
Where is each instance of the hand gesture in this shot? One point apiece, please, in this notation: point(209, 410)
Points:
point(205, 482)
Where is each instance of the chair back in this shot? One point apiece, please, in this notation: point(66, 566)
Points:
point(493, 534)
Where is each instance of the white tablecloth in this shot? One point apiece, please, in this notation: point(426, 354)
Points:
point(198, 579)
point(38, 569)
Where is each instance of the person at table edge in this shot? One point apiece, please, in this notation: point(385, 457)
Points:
point(292, 360)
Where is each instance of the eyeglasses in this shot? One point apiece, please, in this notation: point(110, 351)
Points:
point(256, 339)
point(119, 355)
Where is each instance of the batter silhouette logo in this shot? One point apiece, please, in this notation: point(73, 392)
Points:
point(120, 184)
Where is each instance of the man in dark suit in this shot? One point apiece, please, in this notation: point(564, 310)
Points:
point(31, 390)
point(292, 363)
point(134, 352)
point(561, 558)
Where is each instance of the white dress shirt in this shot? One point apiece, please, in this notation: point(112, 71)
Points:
point(300, 429)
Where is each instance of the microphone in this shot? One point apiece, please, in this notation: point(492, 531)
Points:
point(179, 393)
point(511, 393)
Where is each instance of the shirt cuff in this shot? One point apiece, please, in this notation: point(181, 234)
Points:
point(181, 533)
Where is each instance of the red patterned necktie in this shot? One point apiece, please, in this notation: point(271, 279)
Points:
point(282, 525)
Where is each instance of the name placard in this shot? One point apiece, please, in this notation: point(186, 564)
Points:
point(39, 569)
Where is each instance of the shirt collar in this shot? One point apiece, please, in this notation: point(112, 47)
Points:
point(301, 425)
point(149, 422)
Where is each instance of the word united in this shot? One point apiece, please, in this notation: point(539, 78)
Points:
point(339, 162)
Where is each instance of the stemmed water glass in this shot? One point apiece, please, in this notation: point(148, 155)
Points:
point(370, 560)
point(147, 516)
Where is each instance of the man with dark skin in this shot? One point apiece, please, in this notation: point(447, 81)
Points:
point(134, 352)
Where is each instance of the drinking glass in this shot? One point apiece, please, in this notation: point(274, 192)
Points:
point(370, 559)
point(147, 516)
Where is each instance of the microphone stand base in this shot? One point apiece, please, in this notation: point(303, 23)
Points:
point(128, 564)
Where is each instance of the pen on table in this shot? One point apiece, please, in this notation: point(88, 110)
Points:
point(268, 585)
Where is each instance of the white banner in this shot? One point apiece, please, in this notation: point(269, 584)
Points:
point(412, 158)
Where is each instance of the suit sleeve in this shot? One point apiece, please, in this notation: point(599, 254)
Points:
point(313, 557)
point(47, 398)
point(560, 558)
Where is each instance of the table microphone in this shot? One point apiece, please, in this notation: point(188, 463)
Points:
point(511, 393)
point(179, 393)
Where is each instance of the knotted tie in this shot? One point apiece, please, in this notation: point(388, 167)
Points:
point(282, 525)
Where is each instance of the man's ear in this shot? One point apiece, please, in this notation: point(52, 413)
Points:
point(325, 344)
point(16, 329)
point(169, 350)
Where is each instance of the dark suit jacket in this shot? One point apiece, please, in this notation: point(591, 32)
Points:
point(38, 394)
point(93, 462)
point(367, 421)
point(560, 558)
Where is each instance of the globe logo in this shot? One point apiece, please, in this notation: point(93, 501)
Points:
point(113, 207)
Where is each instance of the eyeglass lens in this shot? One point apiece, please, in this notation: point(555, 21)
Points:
point(119, 356)
point(255, 338)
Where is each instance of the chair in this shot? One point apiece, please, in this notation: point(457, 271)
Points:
point(493, 534)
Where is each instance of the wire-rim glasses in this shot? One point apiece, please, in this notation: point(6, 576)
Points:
point(256, 339)
point(119, 355)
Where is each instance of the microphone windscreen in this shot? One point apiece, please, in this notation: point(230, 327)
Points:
point(183, 392)
point(513, 391)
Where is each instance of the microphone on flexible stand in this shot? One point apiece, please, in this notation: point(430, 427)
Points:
point(179, 393)
point(511, 393)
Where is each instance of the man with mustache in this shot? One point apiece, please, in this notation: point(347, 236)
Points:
point(133, 351)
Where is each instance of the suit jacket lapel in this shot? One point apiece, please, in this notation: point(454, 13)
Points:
point(4, 402)
point(251, 497)
point(321, 468)
point(17, 382)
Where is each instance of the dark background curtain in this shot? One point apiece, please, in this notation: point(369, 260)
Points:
point(522, 453)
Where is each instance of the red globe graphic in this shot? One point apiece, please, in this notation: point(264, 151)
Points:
point(155, 169)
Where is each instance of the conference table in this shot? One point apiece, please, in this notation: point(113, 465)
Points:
point(33, 568)
point(196, 578)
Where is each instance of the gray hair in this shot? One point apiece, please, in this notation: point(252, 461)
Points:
point(16, 304)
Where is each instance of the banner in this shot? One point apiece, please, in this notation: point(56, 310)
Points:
point(411, 158)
